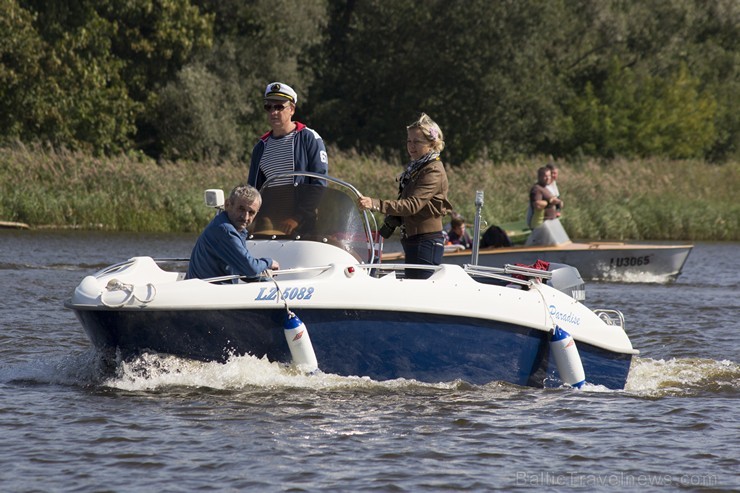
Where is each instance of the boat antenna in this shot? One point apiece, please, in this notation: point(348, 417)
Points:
point(476, 227)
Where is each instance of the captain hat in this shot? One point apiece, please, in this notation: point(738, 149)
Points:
point(280, 91)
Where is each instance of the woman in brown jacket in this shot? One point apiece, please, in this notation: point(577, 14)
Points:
point(422, 199)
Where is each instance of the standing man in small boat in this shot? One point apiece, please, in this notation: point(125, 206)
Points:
point(422, 199)
point(542, 203)
point(221, 250)
point(288, 146)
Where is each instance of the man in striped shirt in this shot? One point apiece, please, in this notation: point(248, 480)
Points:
point(288, 146)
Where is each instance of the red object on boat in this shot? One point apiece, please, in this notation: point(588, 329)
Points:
point(539, 265)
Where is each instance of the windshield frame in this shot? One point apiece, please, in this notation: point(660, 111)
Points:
point(372, 255)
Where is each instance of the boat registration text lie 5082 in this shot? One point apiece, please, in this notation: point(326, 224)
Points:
point(268, 294)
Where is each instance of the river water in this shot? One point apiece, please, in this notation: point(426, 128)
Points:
point(165, 424)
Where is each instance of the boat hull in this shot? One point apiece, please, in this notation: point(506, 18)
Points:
point(378, 344)
point(364, 319)
point(594, 261)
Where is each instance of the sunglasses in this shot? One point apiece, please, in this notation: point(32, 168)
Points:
point(276, 107)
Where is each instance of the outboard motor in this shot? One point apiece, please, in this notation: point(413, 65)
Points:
point(567, 279)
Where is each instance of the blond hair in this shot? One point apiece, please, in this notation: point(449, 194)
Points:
point(430, 130)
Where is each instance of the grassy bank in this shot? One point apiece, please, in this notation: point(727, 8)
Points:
point(650, 200)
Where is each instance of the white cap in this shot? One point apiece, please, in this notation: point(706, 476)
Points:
point(280, 91)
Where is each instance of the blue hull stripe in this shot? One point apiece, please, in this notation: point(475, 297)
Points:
point(381, 345)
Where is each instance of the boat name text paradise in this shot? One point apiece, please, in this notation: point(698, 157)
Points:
point(564, 317)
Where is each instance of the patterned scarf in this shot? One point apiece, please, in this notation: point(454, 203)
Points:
point(412, 168)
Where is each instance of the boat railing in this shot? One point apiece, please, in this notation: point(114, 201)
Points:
point(508, 273)
point(115, 267)
point(610, 317)
point(380, 270)
point(282, 272)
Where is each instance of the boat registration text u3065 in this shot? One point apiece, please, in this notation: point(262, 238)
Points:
point(629, 261)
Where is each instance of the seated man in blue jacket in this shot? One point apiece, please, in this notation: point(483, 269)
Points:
point(221, 250)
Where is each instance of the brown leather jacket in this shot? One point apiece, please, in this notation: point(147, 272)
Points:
point(423, 202)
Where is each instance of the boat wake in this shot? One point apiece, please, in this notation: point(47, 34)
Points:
point(155, 372)
point(682, 376)
point(635, 277)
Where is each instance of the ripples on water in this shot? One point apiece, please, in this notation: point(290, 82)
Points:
point(69, 423)
point(250, 423)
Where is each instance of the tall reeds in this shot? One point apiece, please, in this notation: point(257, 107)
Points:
point(617, 200)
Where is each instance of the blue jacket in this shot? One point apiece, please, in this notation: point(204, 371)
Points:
point(309, 155)
point(221, 250)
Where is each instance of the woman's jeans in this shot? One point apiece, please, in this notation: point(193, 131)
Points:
point(425, 249)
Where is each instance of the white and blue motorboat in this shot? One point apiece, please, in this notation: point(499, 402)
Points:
point(476, 324)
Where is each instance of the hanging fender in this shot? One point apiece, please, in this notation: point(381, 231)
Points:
point(564, 350)
point(299, 342)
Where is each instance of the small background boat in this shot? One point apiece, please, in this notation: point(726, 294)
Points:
point(595, 260)
point(13, 225)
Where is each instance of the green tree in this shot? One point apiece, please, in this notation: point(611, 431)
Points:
point(715, 59)
point(216, 100)
point(88, 74)
point(21, 51)
point(61, 85)
point(183, 78)
point(645, 78)
point(196, 119)
point(481, 69)
point(642, 115)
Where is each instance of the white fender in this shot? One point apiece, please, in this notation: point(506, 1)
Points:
point(300, 345)
point(564, 350)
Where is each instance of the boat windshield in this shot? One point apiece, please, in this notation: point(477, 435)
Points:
point(308, 212)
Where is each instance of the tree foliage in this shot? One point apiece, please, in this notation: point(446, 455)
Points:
point(216, 100)
point(640, 116)
point(184, 78)
point(88, 74)
point(21, 52)
point(489, 84)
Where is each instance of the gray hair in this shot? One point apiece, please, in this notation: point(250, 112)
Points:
point(247, 192)
point(431, 131)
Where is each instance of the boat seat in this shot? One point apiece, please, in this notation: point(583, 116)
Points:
point(551, 232)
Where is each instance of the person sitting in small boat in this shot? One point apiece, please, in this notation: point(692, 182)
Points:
point(541, 201)
point(495, 237)
point(221, 250)
point(448, 226)
point(458, 235)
